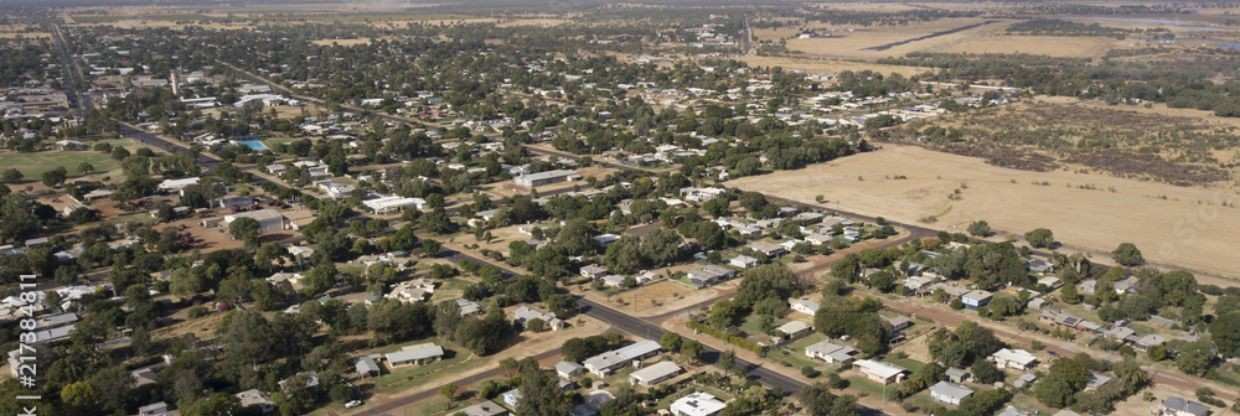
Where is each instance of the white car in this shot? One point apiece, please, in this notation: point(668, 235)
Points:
point(352, 403)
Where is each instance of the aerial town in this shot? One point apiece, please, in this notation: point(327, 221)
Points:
point(619, 208)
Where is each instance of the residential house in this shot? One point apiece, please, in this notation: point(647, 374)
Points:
point(793, 330)
point(1015, 359)
point(655, 374)
point(485, 408)
point(975, 299)
point(831, 353)
point(568, 369)
point(412, 291)
point(957, 375)
point(593, 271)
point(157, 409)
point(525, 313)
point(743, 262)
point(253, 398)
point(1178, 406)
point(709, 275)
point(603, 364)
point(697, 404)
point(768, 249)
point(414, 355)
point(949, 393)
point(804, 305)
point(880, 372)
point(367, 367)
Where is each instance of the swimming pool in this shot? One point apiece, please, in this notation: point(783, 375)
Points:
point(254, 144)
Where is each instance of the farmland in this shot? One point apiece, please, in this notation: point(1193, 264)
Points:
point(1196, 227)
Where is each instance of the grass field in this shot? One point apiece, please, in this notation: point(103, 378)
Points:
point(854, 44)
point(33, 165)
point(1183, 226)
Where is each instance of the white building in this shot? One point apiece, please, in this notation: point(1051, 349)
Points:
point(830, 352)
point(603, 364)
point(697, 404)
point(655, 374)
point(414, 354)
point(1015, 359)
point(392, 203)
point(880, 372)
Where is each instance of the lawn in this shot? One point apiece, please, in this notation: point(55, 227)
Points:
point(793, 353)
point(870, 388)
point(404, 378)
point(33, 165)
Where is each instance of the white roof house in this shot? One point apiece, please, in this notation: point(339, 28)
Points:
point(742, 261)
point(255, 398)
point(524, 314)
point(950, 393)
point(697, 404)
point(793, 329)
point(392, 203)
point(1016, 359)
point(655, 374)
point(414, 354)
point(568, 369)
point(880, 372)
point(485, 408)
point(603, 364)
point(804, 306)
point(830, 352)
point(176, 185)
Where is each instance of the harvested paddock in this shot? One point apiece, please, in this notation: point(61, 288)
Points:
point(1192, 227)
point(862, 43)
point(1056, 46)
point(831, 66)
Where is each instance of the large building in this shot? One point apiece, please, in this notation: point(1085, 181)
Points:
point(545, 178)
point(269, 220)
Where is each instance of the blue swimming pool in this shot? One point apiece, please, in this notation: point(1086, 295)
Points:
point(254, 144)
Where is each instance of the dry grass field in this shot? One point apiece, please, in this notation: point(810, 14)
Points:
point(1057, 46)
point(830, 66)
point(853, 44)
point(1183, 226)
point(342, 42)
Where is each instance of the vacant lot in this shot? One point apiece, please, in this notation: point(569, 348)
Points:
point(830, 66)
point(1185, 226)
point(661, 297)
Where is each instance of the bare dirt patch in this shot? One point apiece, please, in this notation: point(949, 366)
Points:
point(1184, 226)
point(660, 297)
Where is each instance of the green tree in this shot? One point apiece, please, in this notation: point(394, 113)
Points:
point(981, 229)
point(55, 177)
point(1040, 238)
point(245, 229)
point(1127, 254)
point(1195, 358)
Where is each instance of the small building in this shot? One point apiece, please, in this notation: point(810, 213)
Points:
point(603, 364)
point(697, 404)
point(414, 355)
point(237, 203)
point(176, 185)
point(467, 307)
point(975, 299)
point(253, 398)
point(593, 271)
point(655, 374)
point(568, 369)
point(512, 398)
point(743, 262)
point(1178, 406)
point(804, 305)
point(957, 375)
point(157, 409)
point(949, 393)
point(831, 353)
point(709, 275)
point(1015, 359)
point(768, 249)
point(793, 330)
point(485, 408)
point(880, 372)
point(545, 178)
point(366, 367)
